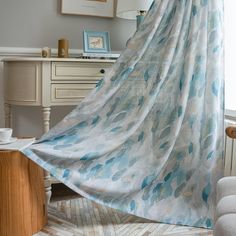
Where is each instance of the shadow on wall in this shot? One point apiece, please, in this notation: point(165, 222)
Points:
point(28, 121)
point(121, 31)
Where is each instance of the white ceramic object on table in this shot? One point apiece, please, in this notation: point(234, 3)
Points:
point(5, 134)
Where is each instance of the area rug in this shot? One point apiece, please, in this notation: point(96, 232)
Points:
point(81, 217)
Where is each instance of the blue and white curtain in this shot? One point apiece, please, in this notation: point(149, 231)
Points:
point(149, 139)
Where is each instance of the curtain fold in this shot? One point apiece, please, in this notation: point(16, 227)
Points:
point(148, 140)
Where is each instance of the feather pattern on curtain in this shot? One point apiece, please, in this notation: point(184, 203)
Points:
point(148, 140)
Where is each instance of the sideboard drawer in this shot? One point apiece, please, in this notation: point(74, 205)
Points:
point(79, 71)
point(70, 93)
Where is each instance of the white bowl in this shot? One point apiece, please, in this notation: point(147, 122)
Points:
point(5, 134)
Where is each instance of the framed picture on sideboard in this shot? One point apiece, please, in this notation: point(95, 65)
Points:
point(96, 42)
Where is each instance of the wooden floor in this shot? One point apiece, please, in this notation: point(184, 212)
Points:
point(81, 217)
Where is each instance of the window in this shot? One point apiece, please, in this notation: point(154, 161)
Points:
point(230, 55)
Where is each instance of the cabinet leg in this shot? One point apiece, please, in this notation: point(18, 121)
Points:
point(46, 119)
point(47, 186)
point(47, 179)
point(8, 115)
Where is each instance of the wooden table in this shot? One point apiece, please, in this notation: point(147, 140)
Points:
point(22, 198)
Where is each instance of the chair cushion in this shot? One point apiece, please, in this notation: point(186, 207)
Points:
point(226, 205)
point(225, 225)
point(226, 186)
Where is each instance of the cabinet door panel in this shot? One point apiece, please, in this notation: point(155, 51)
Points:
point(23, 83)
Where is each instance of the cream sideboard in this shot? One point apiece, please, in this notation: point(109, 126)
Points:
point(48, 82)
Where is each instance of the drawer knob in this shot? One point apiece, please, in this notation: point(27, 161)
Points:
point(102, 71)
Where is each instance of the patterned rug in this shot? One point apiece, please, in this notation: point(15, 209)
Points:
point(81, 217)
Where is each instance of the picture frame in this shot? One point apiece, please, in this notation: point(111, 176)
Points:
point(96, 42)
point(100, 8)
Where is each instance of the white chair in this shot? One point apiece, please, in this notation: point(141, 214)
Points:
point(225, 224)
point(226, 207)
